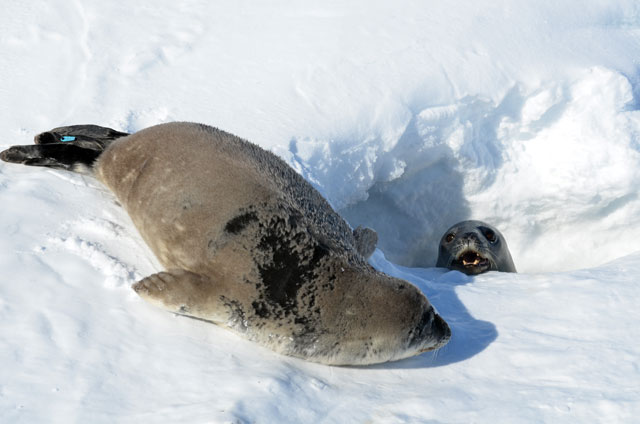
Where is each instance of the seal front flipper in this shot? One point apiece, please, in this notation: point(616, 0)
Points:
point(57, 155)
point(366, 240)
point(181, 292)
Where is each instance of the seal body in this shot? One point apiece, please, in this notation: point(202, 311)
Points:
point(247, 243)
point(474, 247)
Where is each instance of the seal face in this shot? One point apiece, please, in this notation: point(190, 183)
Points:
point(247, 243)
point(474, 247)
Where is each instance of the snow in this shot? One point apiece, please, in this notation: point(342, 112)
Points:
point(408, 116)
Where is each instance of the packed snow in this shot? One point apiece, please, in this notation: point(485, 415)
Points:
point(408, 116)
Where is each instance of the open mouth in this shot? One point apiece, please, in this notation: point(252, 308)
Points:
point(471, 262)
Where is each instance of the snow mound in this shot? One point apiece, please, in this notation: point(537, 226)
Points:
point(556, 168)
point(408, 116)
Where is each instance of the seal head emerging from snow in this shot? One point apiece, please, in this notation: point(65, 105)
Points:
point(474, 247)
point(247, 243)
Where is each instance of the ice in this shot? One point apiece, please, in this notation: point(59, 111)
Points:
point(408, 116)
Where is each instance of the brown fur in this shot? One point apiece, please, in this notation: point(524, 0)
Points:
point(249, 244)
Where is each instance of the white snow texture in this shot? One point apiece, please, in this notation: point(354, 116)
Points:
point(408, 116)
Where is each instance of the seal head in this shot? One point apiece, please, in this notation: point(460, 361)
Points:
point(474, 247)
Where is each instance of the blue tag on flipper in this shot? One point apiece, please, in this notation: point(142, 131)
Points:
point(67, 138)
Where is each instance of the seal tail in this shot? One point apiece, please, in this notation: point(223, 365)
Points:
point(73, 148)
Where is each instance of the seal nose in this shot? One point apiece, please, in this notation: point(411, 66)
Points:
point(441, 328)
point(439, 333)
point(470, 236)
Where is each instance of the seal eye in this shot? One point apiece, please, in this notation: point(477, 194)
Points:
point(450, 237)
point(490, 235)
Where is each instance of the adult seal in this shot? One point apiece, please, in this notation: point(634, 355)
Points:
point(247, 243)
point(474, 247)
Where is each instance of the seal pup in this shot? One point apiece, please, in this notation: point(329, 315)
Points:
point(474, 247)
point(248, 244)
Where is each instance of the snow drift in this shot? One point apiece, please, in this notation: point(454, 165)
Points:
point(407, 117)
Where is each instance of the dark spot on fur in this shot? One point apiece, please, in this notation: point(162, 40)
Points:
point(292, 263)
point(239, 223)
point(301, 320)
point(287, 272)
point(312, 300)
point(237, 317)
point(261, 309)
point(306, 335)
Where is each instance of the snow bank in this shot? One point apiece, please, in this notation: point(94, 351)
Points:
point(406, 116)
point(556, 168)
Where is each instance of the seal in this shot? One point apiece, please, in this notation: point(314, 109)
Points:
point(474, 247)
point(248, 244)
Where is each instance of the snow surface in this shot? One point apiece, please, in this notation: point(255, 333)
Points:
point(408, 116)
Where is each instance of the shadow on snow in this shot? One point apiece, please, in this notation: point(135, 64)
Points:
point(469, 336)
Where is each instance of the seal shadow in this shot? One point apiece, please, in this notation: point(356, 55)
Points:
point(469, 336)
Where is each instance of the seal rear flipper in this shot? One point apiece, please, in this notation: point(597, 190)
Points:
point(87, 136)
point(181, 292)
point(69, 157)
